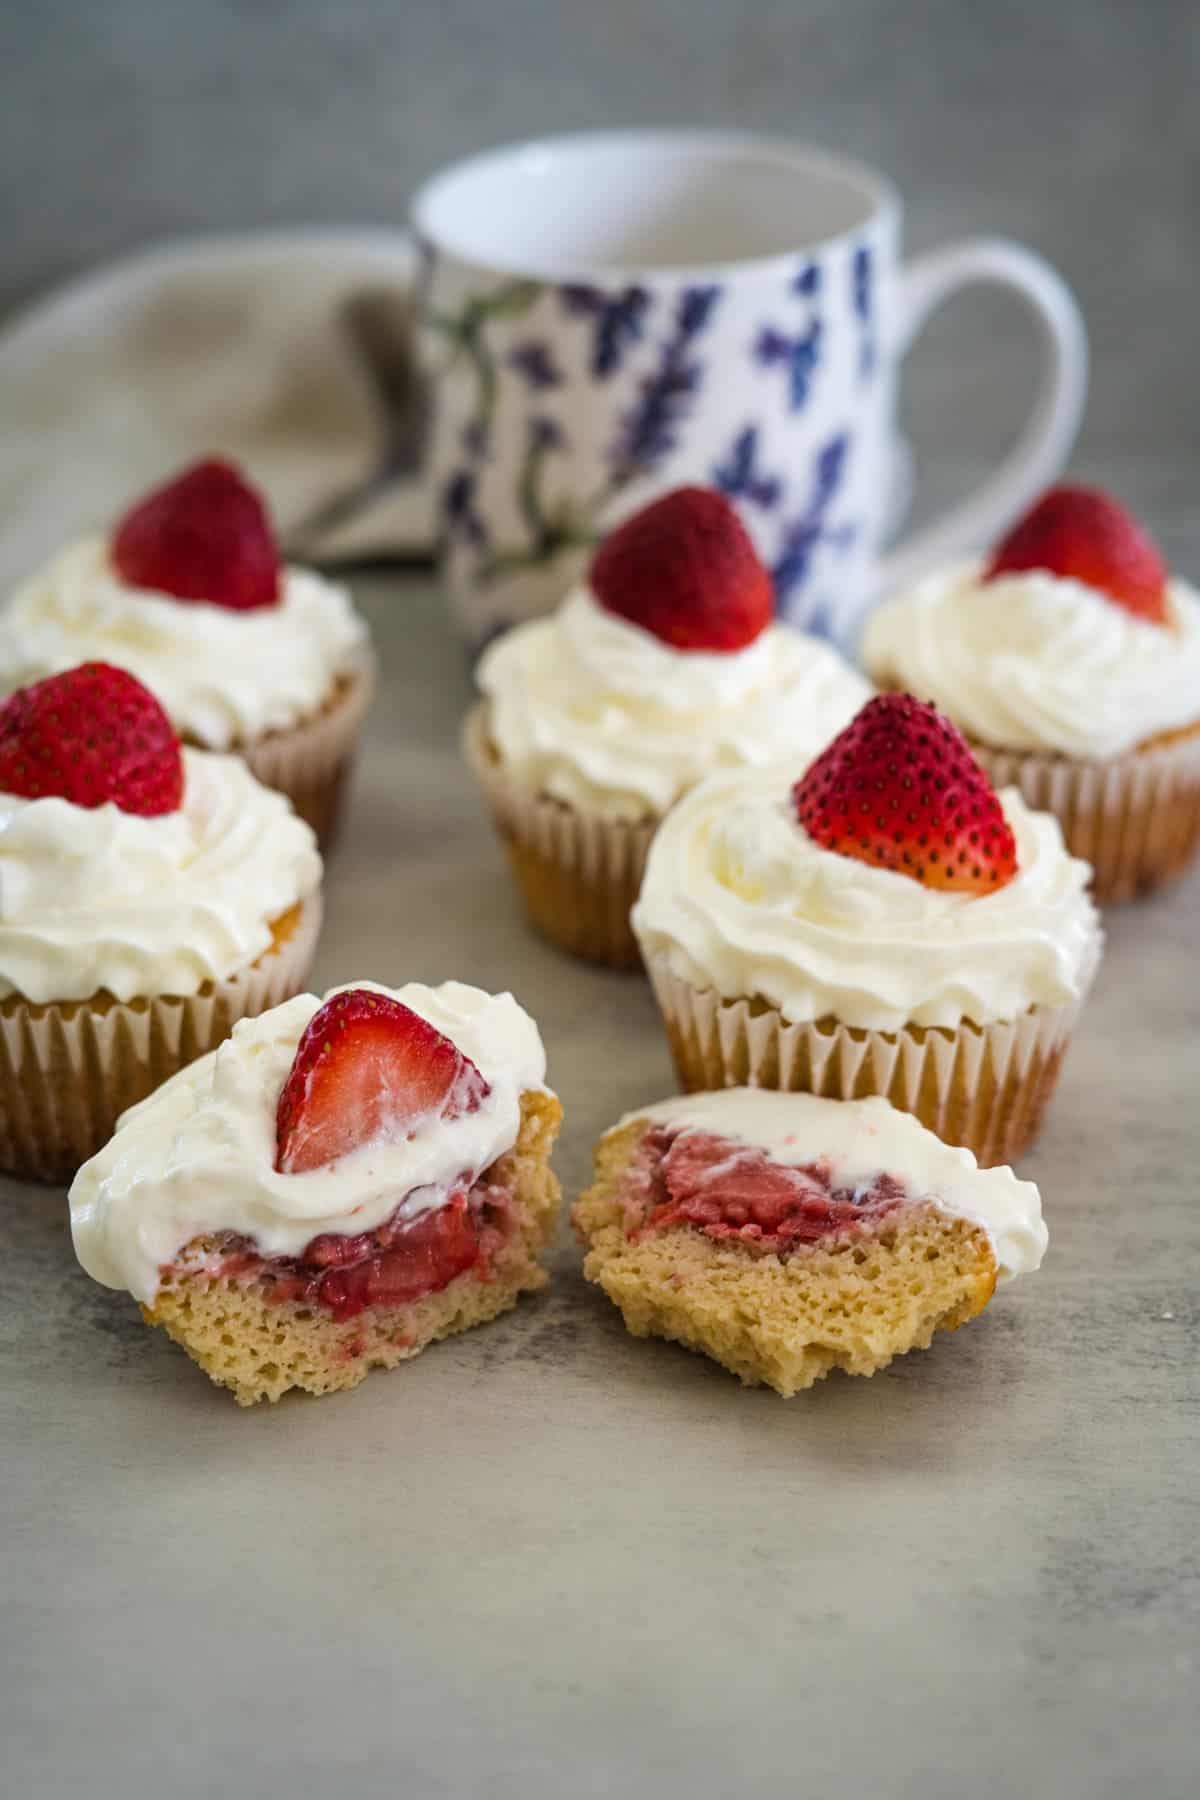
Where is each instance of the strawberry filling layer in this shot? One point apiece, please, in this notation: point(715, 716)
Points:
point(403, 1260)
point(733, 1191)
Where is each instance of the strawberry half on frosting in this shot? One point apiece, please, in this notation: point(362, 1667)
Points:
point(368, 1070)
point(1082, 534)
point(900, 788)
point(92, 735)
point(340, 1184)
point(685, 570)
point(204, 536)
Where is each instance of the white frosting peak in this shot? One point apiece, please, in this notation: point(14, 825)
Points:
point(1033, 661)
point(738, 897)
point(861, 1139)
point(98, 899)
point(225, 677)
point(198, 1156)
point(601, 714)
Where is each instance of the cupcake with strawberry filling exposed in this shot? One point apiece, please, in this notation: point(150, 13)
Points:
point(785, 1236)
point(189, 593)
point(665, 665)
point(340, 1184)
point(1071, 659)
point(150, 896)
point(887, 924)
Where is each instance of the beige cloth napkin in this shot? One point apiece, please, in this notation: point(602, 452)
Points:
point(238, 345)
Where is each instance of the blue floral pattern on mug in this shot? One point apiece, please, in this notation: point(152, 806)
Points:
point(618, 321)
point(535, 361)
point(460, 518)
point(807, 280)
point(740, 476)
point(810, 528)
point(650, 430)
point(795, 351)
point(862, 296)
point(573, 403)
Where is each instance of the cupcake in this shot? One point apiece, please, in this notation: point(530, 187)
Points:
point(150, 897)
point(886, 925)
point(785, 1235)
point(665, 666)
point(340, 1184)
point(189, 594)
point(1071, 660)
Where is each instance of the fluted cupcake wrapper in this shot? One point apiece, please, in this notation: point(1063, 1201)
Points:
point(311, 762)
point(1135, 818)
point(983, 1086)
point(68, 1071)
point(578, 873)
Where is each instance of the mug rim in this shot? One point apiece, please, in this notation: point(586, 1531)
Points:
point(881, 194)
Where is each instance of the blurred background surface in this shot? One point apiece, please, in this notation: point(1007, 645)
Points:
point(1074, 127)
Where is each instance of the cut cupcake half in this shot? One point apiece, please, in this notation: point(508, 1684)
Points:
point(342, 1184)
point(784, 1235)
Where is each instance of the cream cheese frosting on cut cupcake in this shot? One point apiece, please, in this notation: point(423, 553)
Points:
point(860, 1140)
point(97, 899)
point(225, 677)
point(739, 898)
point(1033, 661)
point(595, 711)
point(198, 1157)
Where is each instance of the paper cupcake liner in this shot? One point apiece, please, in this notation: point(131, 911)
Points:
point(68, 1071)
point(982, 1086)
point(1135, 818)
point(311, 762)
point(578, 873)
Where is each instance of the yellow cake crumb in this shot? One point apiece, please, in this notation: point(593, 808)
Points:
point(851, 1302)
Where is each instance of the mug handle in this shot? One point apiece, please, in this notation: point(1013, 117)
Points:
point(1044, 444)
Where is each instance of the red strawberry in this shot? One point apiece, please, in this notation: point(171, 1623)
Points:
point(900, 788)
point(1087, 535)
point(422, 1256)
point(204, 536)
point(367, 1069)
point(91, 735)
point(684, 569)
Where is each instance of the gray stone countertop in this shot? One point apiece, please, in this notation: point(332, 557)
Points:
point(547, 1560)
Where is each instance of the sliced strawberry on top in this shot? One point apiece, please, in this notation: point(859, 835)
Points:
point(899, 788)
point(1084, 534)
point(204, 536)
point(91, 735)
point(684, 568)
point(367, 1070)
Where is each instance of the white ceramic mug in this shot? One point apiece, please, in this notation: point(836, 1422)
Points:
point(606, 316)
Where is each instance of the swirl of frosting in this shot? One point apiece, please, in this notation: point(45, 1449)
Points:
point(862, 1139)
point(1034, 661)
point(596, 712)
point(739, 898)
point(225, 677)
point(96, 899)
point(198, 1156)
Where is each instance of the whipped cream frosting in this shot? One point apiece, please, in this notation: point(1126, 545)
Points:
point(861, 1139)
point(198, 1156)
point(225, 677)
point(738, 897)
point(1033, 661)
point(596, 712)
point(96, 898)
